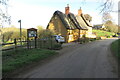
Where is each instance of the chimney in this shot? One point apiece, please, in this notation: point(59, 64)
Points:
point(67, 9)
point(80, 11)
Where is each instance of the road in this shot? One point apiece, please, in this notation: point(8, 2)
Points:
point(91, 60)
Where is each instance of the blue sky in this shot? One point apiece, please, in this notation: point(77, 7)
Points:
point(38, 12)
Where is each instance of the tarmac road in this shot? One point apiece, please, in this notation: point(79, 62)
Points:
point(91, 60)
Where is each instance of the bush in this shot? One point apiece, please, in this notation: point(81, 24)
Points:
point(93, 39)
point(84, 40)
point(98, 38)
point(81, 40)
point(57, 46)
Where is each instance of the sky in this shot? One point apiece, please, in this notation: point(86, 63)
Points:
point(33, 13)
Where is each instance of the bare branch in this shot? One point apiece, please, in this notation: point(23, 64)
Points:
point(4, 17)
point(106, 6)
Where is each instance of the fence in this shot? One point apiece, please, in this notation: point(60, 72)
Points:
point(13, 45)
point(45, 43)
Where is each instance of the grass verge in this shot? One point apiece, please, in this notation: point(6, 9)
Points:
point(115, 47)
point(13, 60)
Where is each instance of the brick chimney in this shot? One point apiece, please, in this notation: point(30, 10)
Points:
point(67, 9)
point(79, 11)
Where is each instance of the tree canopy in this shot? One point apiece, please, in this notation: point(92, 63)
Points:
point(111, 27)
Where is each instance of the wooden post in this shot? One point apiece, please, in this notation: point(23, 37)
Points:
point(3, 38)
point(79, 36)
point(40, 43)
point(15, 42)
point(20, 33)
point(27, 43)
point(35, 42)
point(51, 42)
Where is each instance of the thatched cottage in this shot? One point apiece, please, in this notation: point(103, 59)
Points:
point(70, 26)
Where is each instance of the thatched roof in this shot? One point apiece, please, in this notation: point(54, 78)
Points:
point(81, 22)
point(74, 20)
point(71, 21)
point(65, 20)
point(86, 21)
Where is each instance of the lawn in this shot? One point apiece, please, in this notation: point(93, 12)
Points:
point(13, 60)
point(115, 47)
point(100, 33)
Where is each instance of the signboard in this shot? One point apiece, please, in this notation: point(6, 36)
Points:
point(32, 34)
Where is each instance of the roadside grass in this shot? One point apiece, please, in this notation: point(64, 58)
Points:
point(100, 33)
point(115, 47)
point(13, 60)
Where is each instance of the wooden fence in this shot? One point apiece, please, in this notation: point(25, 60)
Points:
point(46, 43)
point(13, 45)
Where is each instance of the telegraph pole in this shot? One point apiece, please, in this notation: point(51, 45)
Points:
point(20, 33)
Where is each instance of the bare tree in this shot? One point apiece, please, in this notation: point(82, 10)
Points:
point(107, 6)
point(106, 17)
point(4, 17)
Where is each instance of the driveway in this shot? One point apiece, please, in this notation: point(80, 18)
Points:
point(90, 60)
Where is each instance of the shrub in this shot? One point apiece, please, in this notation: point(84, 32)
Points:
point(84, 40)
point(98, 38)
point(57, 46)
point(93, 39)
point(81, 40)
